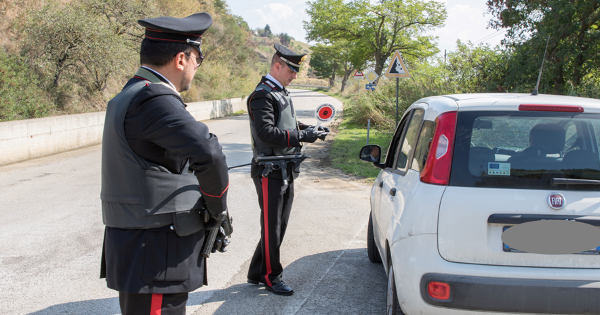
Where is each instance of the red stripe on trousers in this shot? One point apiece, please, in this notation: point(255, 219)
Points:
point(265, 189)
point(156, 304)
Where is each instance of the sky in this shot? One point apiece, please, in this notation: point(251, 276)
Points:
point(467, 20)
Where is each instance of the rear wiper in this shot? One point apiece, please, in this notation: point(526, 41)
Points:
point(574, 181)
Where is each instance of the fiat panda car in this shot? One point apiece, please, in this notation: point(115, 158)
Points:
point(490, 203)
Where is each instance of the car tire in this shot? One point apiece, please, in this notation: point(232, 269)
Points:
point(392, 304)
point(372, 251)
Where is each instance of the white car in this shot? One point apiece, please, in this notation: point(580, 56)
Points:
point(490, 203)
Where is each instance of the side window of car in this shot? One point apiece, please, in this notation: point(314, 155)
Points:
point(392, 150)
point(423, 146)
point(409, 140)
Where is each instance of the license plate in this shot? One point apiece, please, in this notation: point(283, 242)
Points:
point(508, 249)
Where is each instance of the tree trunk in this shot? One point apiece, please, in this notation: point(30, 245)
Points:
point(347, 74)
point(379, 63)
point(332, 77)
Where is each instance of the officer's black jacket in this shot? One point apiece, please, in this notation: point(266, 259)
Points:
point(263, 110)
point(159, 129)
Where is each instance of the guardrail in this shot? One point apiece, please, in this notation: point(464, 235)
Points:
point(26, 139)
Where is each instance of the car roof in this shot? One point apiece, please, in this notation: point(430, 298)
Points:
point(503, 101)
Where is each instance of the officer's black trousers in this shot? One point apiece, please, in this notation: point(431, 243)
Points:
point(152, 304)
point(275, 199)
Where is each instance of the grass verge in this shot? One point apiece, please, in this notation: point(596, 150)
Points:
point(348, 141)
point(346, 147)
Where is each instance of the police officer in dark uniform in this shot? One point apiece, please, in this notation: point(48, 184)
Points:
point(275, 132)
point(163, 173)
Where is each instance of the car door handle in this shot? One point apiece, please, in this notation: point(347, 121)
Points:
point(393, 191)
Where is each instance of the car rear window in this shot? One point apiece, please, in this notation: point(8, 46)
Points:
point(526, 150)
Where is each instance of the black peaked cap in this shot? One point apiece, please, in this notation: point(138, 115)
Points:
point(172, 29)
point(294, 60)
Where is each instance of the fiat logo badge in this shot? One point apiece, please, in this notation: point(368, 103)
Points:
point(556, 201)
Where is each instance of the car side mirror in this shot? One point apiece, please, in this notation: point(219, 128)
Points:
point(371, 153)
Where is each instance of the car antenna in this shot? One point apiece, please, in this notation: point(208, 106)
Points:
point(537, 85)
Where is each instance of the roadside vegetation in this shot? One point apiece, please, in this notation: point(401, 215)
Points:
point(572, 63)
point(71, 56)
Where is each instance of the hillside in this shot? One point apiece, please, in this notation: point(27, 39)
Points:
point(70, 56)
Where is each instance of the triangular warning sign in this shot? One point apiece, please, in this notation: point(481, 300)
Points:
point(397, 68)
point(358, 75)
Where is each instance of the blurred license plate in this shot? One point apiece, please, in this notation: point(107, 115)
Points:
point(509, 249)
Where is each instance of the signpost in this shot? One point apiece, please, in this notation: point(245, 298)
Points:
point(397, 69)
point(370, 86)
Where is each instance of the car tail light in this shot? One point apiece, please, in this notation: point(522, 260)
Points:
point(439, 161)
point(550, 108)
point(438, 290)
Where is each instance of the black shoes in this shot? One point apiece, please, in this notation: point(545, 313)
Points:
point(277, 286)
point(280, 288)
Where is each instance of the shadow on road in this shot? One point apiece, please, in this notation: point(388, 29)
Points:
point(90, 307)
point(336, 282)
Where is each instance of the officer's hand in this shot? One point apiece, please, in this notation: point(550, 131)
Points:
point(219, 217)
point(221, 241)
point(322, 132)
point(322, 135)
point(321, 128)
point(308, 135)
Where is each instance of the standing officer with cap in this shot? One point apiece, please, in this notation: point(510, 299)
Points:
point(157, 161)
point(275, 132)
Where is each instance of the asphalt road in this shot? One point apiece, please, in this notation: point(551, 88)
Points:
point(51, 236)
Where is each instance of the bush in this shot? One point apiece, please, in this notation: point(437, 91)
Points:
point(380, 105)
point(19, 90)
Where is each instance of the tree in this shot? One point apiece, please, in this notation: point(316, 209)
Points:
point(572, 28)
point(476, 69)
point(267, 31)
point(323, 62)
point(381, 27)
point(82, 44)
point(285, 39)
point(342, 57)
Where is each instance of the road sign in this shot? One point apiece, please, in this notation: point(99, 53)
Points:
point(397, 68)
point(370, 86)
point(358, 75)
point(371, 76)
point(325, 112)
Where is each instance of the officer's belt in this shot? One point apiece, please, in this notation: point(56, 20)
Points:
point(278, 162)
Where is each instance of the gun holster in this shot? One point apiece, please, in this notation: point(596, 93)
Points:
point(188, 222)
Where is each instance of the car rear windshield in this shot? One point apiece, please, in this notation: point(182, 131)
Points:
point(537, 150)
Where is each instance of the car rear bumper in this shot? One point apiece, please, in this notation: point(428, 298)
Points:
point(481, 289)
point(516, 295)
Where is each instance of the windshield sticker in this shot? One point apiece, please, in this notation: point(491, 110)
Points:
point(498, 169)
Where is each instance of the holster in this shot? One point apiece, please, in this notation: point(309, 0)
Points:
point(284, 166)
point(188, 222)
